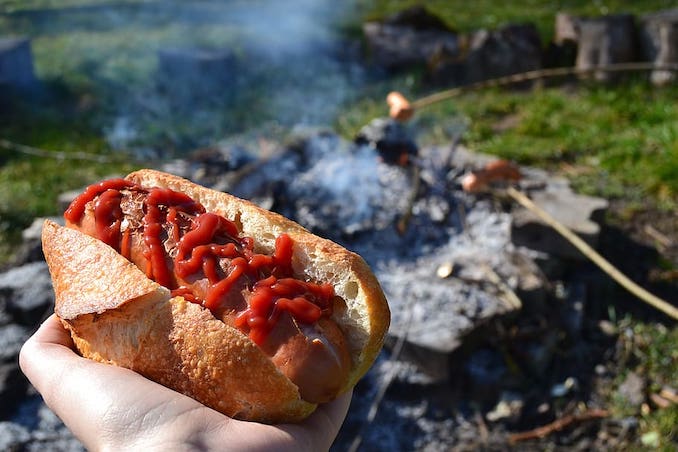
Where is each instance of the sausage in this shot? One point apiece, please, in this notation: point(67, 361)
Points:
point(495, 171)
point(400, 108)
point(202, 257)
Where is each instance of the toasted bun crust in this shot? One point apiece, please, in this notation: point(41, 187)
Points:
point(117, 315)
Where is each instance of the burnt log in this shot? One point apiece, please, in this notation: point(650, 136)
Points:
point(658, 35)
point(408, 38)
point(490, 54)
point(603, 41)
point(562, 50)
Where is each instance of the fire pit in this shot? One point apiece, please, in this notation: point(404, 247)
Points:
point(445, 258)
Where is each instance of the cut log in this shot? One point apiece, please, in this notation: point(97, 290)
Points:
point(604, 41)
point(658, 35)
point(566, 29)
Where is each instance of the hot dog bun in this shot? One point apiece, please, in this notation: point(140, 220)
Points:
point(116, 314)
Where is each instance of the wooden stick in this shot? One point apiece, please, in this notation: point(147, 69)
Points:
point(557, 425)
point(59, 155)
point(592, 254)
point(536, 75)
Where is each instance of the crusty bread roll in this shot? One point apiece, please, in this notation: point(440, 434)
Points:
point(117, 315)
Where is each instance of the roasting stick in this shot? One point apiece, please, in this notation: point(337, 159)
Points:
point(592, 254)
point(401, 109)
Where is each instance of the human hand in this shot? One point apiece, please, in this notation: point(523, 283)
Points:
point(112, 408)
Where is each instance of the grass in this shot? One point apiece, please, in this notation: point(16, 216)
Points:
point(30, 185)
point(649, 351)
point(468, 16)
point(616, 141)
point(621, 140)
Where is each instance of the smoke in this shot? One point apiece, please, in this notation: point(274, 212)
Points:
point(196, 72)
point(341, 186)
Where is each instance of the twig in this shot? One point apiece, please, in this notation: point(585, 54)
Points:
point(404, 220)
point(592, 254)
point(509, 296)
point(59, 155)
point(654, 234)
point(535, 75)
point(557, 425)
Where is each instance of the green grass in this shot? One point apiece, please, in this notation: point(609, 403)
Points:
point(465, 16)
point(628, 133)
point(30, 185)
point(649, 351)
point(623, 139)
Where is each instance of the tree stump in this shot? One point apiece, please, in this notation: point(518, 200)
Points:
point(566, 29)
point(604, 41)
point(659, 43)
point(16, 63)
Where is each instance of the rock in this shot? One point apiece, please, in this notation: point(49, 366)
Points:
point(658, 34)
point(27, 292)
point(16, 63)
point(12, 337)
point(509, 408)
point(566, 387)
point(30, 248)
point(34, 231)
point(408, 38)
point(579, 213)
point(13, 437)
point(433, 314)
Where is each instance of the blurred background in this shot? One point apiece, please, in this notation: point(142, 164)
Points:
point(284, 103)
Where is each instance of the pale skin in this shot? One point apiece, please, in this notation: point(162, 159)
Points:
point(111, 408)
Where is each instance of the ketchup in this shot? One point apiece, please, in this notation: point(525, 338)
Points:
point(184, 242)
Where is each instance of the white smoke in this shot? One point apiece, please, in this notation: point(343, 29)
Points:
point(291, 67)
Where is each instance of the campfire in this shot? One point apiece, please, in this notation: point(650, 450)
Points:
point(454, 262)
point(445, 257)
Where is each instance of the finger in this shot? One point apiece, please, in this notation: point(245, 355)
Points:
point(100, 404)
point(321, 428)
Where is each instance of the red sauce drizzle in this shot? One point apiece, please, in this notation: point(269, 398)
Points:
point(207, 245)
point(77, 208)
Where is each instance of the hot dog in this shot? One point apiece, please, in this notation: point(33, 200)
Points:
point(208, 294)
point(495, 171)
